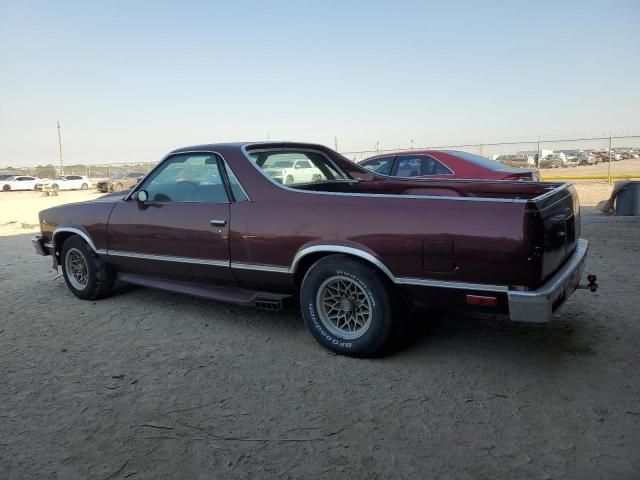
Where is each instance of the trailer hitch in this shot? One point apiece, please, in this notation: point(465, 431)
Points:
point(592, 285)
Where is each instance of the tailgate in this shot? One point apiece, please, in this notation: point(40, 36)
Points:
point(556, 227)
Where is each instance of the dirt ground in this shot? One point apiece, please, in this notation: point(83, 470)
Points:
point(151, 385)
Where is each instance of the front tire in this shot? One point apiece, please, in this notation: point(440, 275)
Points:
point(349, 306)
point(84, 273)
point(6, 188)
point(117, 187)
point(84, 186)
point(288, 180)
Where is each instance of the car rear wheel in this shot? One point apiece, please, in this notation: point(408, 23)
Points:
point(348, 306)
point(86, 275)
point(6, 188)
point(288, 180)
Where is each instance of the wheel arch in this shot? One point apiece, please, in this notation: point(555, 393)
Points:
point(308, 256)
point(61, 234)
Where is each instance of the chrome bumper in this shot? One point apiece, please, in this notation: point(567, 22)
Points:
point(539, 305)
point(40, 245)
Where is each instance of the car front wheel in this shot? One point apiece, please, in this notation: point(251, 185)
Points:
point(348, 306)
point(84, 273)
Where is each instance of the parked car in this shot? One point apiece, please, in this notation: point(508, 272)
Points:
point(353, 246)
point(67, 182)
point(578, 157)
point(553, 160)
point(290, 171)
point(120, 182)
point(18, 182)
point(444, 164)
point(517, 160)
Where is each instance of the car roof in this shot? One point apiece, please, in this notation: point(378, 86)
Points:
point(239, 145)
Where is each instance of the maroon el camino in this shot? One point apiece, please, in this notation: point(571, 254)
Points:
point(256, 223)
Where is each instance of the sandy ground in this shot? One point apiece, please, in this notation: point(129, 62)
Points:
point(150, 385)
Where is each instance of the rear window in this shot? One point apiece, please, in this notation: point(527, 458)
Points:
point(476, 159)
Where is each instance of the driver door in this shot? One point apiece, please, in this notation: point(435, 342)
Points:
point(182, 231)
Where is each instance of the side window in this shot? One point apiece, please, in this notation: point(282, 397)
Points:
point(304, 164)
point(412, 166)
point(238, 192)
point(187, 178)
point(440, 169)
point(73, 177)
point(380, 165)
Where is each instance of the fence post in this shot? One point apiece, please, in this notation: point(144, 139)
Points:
point(609, 168)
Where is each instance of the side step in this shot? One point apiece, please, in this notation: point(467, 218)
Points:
point(250, 298)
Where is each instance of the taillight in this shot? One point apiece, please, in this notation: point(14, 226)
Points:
point(518, 176)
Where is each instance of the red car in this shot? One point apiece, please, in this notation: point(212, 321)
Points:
point(444, 164)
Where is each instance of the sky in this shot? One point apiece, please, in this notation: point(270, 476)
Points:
point(132, 80)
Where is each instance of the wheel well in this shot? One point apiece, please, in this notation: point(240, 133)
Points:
point(60, 238)
point(308, 260)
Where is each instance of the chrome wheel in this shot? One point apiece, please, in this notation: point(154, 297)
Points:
point(344, 307)
point(77, 269)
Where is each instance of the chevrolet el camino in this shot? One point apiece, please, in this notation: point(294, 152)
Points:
point(235, 223)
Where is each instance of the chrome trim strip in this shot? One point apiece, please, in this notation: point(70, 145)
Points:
point(449, 284)
point(397, 280)
point(340, 249)
point(420, 197)
point(169, 258)
point(80, 233)
point(228, 167)
point(260, 267)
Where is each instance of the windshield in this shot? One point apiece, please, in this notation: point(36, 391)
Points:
point(60, 178)
point(314, 167)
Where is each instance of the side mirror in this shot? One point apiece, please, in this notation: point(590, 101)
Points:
point(141, 196)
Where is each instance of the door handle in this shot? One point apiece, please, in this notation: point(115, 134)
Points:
point(218, 223)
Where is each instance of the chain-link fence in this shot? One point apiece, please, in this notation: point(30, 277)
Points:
point(595, 158)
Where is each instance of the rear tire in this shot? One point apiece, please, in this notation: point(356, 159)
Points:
point(349, 306)
point(6, 188)
point(289, 180)
point(86, 275)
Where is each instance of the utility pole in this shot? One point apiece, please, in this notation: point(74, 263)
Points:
point(335, 143)
point(60, 149)
point(411, 144)
point(609, 167)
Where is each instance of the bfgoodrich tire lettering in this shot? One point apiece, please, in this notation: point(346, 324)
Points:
point(97, 281)
point(356, 284)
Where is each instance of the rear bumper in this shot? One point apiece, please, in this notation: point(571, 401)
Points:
point(539, 305)
point(41, 246)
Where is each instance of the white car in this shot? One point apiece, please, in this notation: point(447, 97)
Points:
point(294, 171)
point(19, 182)
point(68, 182)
